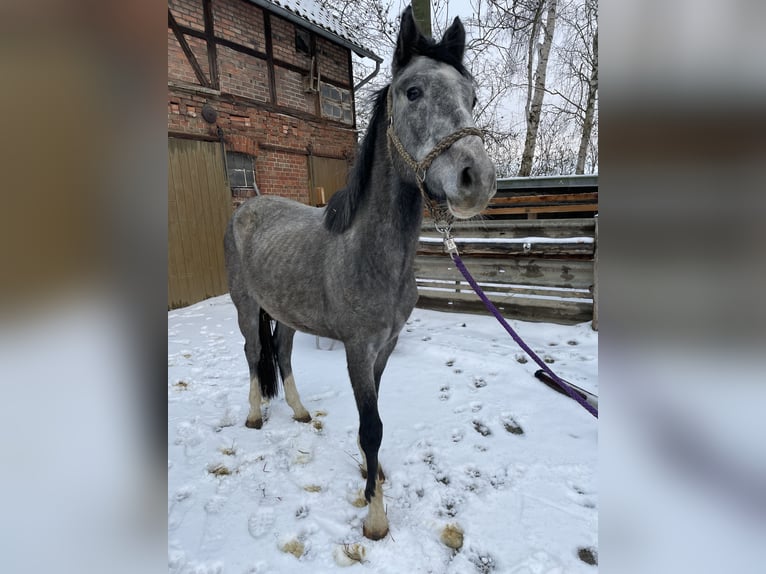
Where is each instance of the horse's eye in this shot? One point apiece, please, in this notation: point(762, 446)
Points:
point(414, 93)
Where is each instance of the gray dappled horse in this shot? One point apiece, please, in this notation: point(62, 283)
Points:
point(346, 271)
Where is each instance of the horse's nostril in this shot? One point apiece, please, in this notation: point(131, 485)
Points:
point(466, 177)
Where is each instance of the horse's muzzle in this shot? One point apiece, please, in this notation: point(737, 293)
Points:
point(468, 178)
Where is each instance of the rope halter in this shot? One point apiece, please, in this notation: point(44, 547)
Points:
point(441, 216)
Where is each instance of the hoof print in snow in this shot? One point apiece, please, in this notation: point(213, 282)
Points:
point(457, 435)
point(302, 512)
point(349, 554)
point(548, 359)
point(479, 383)
point(318, 425)
point(450, 508)
point(481, 428)
point(294, 547)
point(444, 393)
point(588, 555)
point(521, 359)
point(450, 362)
point(484, 562)
point(452, 536)
point(572, 343)
point(312, 488)
point(510, 425)
point(261, 522)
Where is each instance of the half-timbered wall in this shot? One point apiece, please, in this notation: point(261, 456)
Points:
point(266, 88)
point(243, 61)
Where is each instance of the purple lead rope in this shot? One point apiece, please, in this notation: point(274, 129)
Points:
point(492, 309)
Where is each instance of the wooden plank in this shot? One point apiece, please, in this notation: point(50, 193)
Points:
point(551, 198)
point(499, 289)
point(196, 160)
point(199, 206)
point(526, 309)
point(561, 273)
point(485, 228)
point(551, 250)
point(218, 209)
point(585, 207)
point(179, 277)
point(195, 223)
point(595, 282)
point(545, 182)
point(216, 203)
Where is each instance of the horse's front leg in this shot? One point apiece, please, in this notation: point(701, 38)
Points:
point(380, 365)
point(361, 360)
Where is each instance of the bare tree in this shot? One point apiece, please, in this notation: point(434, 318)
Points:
point(576, 88)
point(590, 108)
point(536, 94)
point(535, 66)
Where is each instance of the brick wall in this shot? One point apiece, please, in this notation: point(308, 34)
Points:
point(284, 174)
point(188, 13)
point(290, 91)
point(243, 75)
point(279, 133)
point(333, 62)
point(240, 22)
point(283, 43)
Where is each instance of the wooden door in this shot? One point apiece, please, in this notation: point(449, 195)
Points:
point(199, 207)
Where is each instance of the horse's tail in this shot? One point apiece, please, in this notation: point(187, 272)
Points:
point(268, 373)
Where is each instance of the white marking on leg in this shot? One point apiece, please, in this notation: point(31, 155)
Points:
point(364, 458)
point(254, 418)
point(376, 523)
point(363, 466)
point(292, 398)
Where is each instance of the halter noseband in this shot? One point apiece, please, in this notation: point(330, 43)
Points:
point(420, 168)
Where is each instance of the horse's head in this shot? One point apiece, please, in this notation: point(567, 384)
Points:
point(430, 100)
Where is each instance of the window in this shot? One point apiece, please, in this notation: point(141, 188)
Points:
point(303, 41)
point(241, 171)
point(336, 103)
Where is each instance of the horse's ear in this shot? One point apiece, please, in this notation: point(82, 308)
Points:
point(454, 39)
point(406, 42)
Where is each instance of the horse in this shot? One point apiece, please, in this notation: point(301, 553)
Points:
point(345, 271)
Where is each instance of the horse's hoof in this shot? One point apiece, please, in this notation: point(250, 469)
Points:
point(374, 535)
point(304, 419)
point(256, 424)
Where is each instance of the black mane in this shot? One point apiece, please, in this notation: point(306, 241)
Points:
point(343, 205)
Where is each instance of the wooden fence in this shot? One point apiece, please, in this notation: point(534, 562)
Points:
point(539, 268)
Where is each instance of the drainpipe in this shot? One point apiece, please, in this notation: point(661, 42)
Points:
point(368, 78)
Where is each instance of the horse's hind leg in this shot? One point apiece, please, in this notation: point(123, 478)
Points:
point(248, 316)
point(283, 336)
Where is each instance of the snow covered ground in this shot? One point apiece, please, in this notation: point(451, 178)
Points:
point(470, 438)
